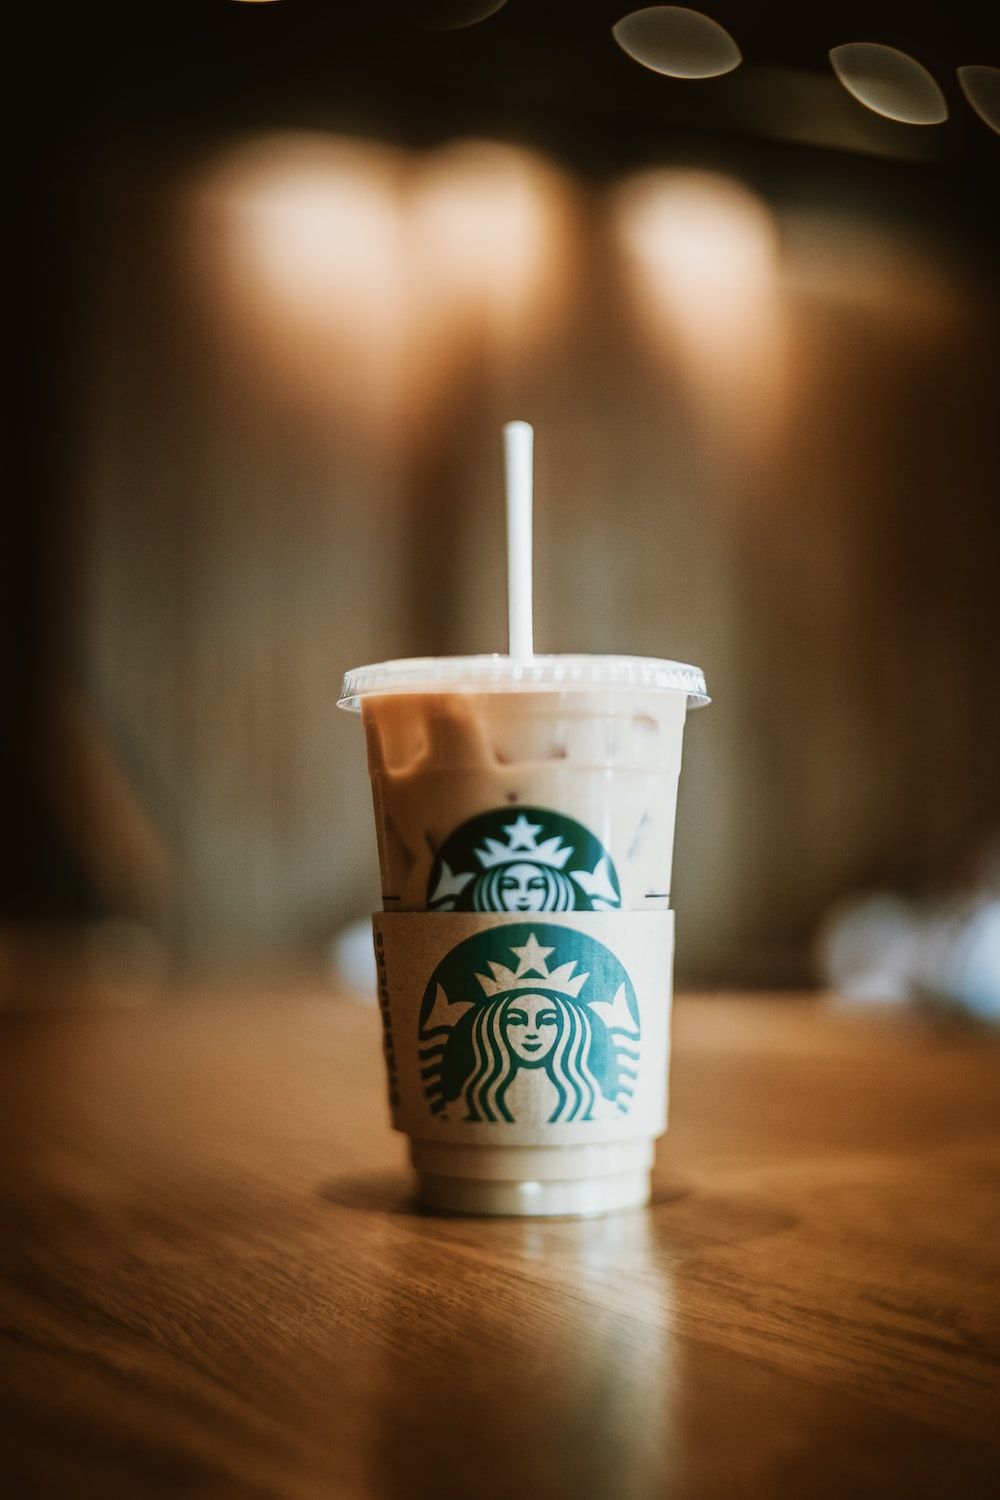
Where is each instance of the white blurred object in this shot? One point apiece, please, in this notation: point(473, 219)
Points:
point(867, 948)
point(883, 948)
point(352, 959)
point(977, 962)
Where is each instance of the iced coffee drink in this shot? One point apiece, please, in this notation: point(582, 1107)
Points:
point(525, 819)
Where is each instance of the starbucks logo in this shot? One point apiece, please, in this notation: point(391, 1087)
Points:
point(538, 861)
point(529, 1023)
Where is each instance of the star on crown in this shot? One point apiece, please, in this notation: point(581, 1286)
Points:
point(532, 960)
point(523, 842)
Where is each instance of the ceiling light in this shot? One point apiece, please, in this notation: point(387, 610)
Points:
point(678, 42)
point(889, 82)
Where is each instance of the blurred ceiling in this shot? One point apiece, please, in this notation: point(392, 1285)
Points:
point(547, 70)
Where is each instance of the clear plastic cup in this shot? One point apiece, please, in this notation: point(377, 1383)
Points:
point(521, 788)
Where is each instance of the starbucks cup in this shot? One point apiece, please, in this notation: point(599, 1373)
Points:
point(524, 811)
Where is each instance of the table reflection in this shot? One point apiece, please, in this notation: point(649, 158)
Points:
point(545, 1365)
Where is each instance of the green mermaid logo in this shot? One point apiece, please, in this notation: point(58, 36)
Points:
point(552, 1037)
point(538, 861)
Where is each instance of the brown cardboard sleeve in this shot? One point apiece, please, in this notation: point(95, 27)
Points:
point(466, 996)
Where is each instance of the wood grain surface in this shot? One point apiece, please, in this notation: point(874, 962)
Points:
point(214, 1282)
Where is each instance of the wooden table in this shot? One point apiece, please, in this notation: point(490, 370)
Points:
point(214, 1282)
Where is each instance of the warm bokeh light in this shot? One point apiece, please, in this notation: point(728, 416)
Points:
point(490, 256)
point(365, 277)
point(489, 236)
point(677, 42)
point(701, 252)
point(981, 87)
point(305, 235)
point(889, 82)
point(703, 248)
point(323, 233)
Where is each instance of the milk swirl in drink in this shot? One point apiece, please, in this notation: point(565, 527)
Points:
point(532, 800)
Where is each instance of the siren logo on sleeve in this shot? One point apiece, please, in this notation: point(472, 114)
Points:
point(532, 1023)
point(533, 860)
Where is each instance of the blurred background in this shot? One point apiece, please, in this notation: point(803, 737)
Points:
point(284, 269)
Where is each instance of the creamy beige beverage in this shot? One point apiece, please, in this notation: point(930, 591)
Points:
point(606, 760)
point(525, 816)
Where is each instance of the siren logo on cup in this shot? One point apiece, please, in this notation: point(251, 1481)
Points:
point(536, 861)
point(536, 1024)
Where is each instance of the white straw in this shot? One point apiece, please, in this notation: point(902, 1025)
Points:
point(518, 445)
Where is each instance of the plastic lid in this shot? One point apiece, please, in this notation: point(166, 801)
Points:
point(484, 674)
